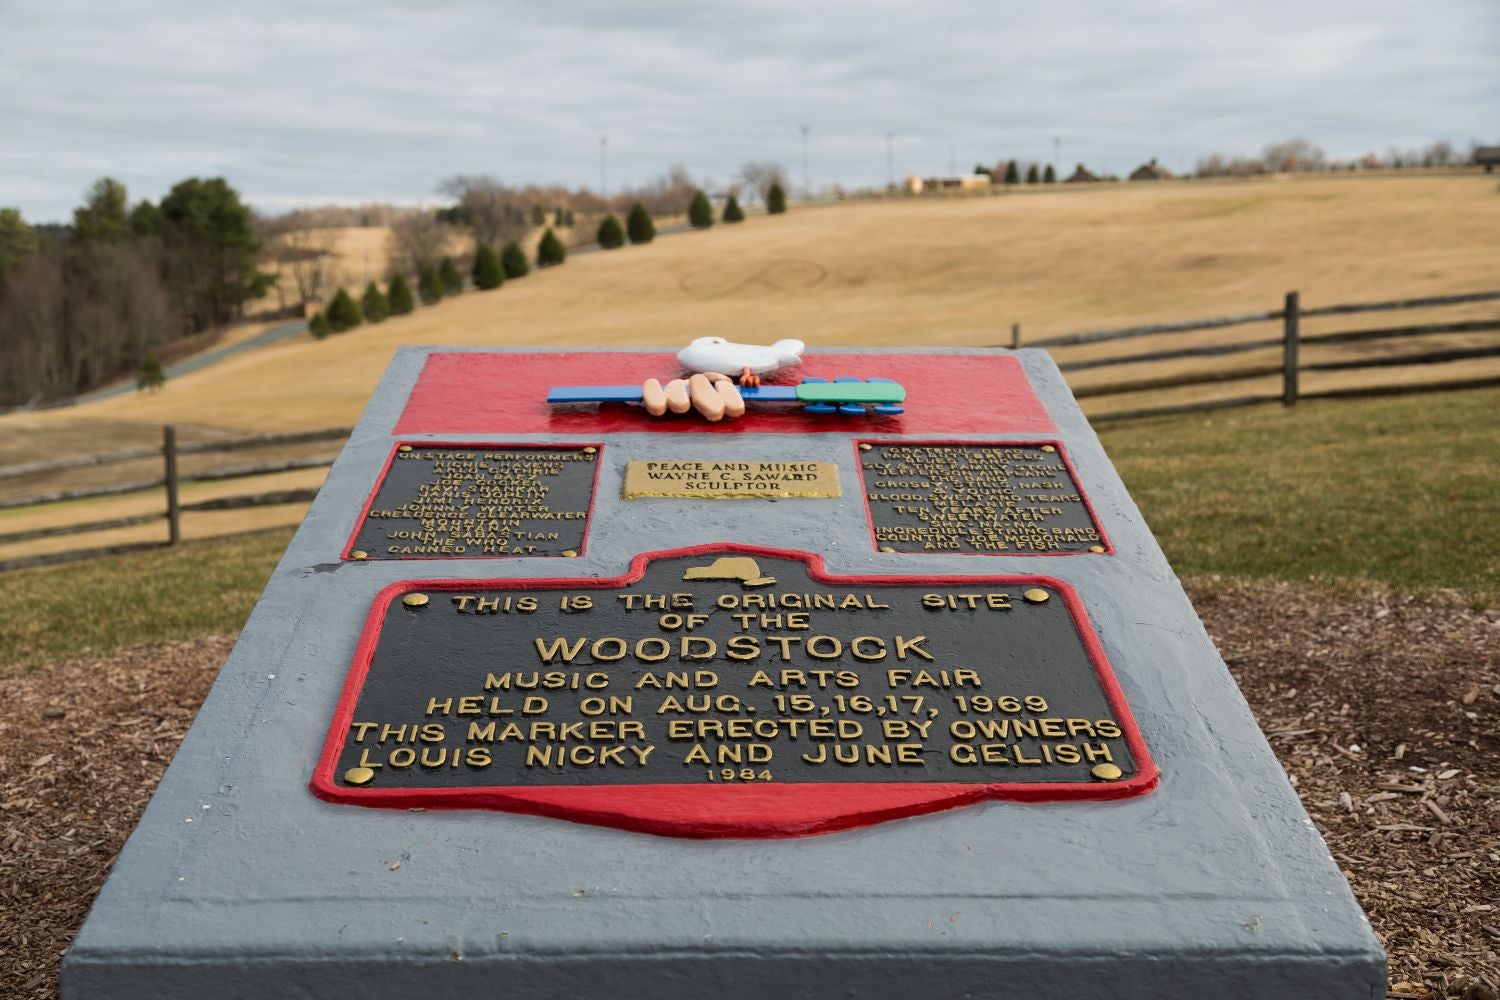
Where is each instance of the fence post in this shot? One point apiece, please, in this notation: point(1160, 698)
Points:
point(1290, 318)
point(1015, 336)
point(169, 456)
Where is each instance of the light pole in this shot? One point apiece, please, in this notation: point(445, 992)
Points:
point(603, 167)
point(890, 162)
point(806, 188)
point(1057, 156)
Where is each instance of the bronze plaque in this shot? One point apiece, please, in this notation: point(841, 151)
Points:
point(729, 666)
point(465, 501)
point(719, 480)
point(995, 499)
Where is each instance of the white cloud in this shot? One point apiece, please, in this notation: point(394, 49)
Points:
point(299, 103)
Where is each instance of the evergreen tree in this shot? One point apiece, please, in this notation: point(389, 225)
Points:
point(429, 286)
point(374, 304)
point(210, 251)
point(318, 326)
point(487, 271)
point(567, 217)
point(611, 235)
point(103, 214)
point(150, 375)
point(538, 215)
point(453, 282)
point(639, 226)
point(1033, 176)
point(558, 216)
point(513, 260)
point(700, 212)
point(1012, 173)
point(732, 210)
point(146, 220)
point(775, 199)
point(550, 250)
point(1049, 176)
point(343, 312)
point(398, 294)
point(17, 239)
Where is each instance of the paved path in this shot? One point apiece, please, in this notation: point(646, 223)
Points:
point(203, 360)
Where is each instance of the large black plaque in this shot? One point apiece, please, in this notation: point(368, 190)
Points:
point(1010, 499)
point(462, 501)
point(726, 666)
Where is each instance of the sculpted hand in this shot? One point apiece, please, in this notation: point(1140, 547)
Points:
point(712, 394)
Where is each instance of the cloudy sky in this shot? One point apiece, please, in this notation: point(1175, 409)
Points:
point(300, 102)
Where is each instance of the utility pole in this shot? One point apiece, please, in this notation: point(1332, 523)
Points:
point(603, 167)
point(806, 188)
point(1057, 156)
point(952, 161)
point(890, 162)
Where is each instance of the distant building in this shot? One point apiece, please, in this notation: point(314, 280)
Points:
point(1487, 157)
point(964, 182)
point(913, 185)
point(1152, 171)
point(1081, 176)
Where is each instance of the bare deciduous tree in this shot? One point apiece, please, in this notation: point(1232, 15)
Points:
point(758, 176)
point(494, 212)
point(416, 241)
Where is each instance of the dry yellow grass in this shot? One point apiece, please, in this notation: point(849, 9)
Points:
point(936, 272)
point(910, 272)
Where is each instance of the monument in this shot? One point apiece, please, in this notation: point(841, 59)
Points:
point(861, 677)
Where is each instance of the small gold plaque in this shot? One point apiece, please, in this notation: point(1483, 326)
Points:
point(727, 480)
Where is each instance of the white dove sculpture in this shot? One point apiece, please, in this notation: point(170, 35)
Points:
point(715, 354)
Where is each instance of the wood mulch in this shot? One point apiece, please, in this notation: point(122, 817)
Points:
point(1384, 709)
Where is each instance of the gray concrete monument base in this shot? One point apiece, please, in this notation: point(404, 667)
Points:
point(239, 884)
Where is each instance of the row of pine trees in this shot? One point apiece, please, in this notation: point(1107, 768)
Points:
point(491, 269)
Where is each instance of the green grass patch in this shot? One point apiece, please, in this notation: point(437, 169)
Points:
point(195, 589)
point(1403, 492)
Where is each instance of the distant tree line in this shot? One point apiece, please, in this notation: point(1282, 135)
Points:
point(1302, 156)
point(83, 304)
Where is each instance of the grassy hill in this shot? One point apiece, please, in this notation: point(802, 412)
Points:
point(952, 271)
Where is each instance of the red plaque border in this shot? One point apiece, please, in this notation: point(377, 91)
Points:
point(727, 811)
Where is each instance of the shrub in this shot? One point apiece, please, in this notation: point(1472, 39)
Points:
point(538, 215)
point(775, 199)
point(513, 260)
point(429, 286)
point(638, 226)
point(732, 210)
point(150, 375)
point(343, 312)
point(1032, 175)
point(487, 271)
point(374, 304)
point(611, 235)
point(453, 282)
point(550, 250)
point(398, 295)
point(1012, 173)
point(700, 212)
point(318, 326)
point(1049, 176)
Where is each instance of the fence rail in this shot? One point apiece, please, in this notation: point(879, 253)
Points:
point(1290, 367)
point(170, 482)
point(1291, 344)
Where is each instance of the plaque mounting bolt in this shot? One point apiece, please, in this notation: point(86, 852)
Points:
point(886, 548)
point(570, 553)
point(358, 776)
point(864, 447)
point(1096, 549)
point(1048, 448)
point(1107, 772)
point(1036, 595)
point(359, 554)
point(591, 451)
point(415, 600)
point(404, 447)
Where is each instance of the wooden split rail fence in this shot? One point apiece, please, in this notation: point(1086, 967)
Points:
point(1291, 342)
point(169, 482)
point(1289, 368)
